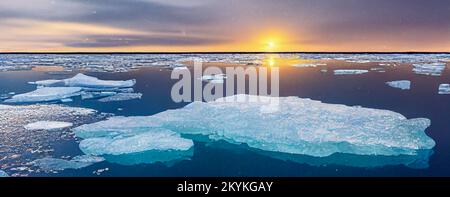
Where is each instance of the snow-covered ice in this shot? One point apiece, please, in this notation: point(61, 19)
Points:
point(155, 139)
point(300, 126)
point(84, 81)
point(77, 162)
point(444, 89)
point(433, 69)
point(121, 97)
point(47, 125)
point(45, 94)
point(350, 72)
point(401, 84)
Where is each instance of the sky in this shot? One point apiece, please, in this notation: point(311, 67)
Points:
point(224, 25)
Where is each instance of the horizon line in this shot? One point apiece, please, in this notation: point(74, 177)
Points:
point(236, 52)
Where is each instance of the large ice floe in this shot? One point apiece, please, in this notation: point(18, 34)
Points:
point(401, 84)
point(55, 164)
point(444, 89)
point(432, 69)
point(294, 126)
point(88, 87)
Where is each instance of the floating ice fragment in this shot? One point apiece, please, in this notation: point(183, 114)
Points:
point(401, 84)
point(3, 174)
point(444, 89)
point(66, 100)
point(45, 94)
point(84, 81)
point(299, 126)
point(308, 65)
point(433, 69)
point(121, 97)
point(47, 125)
point(62, 164)
point(94, 95)
point(211, 78)
point(350, 72)
point(180, 68)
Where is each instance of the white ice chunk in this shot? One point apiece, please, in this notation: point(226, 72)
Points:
point(219, 78)
point(62, 164)
point(121, 97)
point(45, 94)
point(401, 84)
point(3, 174)
point(433, 69)
point(47, 125)
point(350, 72)
point(94, 95)
point(156, 139)
point(298, 126)
point(444, 89)
point(66, 100)
point(308, 65)
point(84, 81)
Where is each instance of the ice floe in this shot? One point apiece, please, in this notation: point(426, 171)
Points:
point(433, 69)
point(401, 84)
point(299, 126)
point(45, 94)
point(55, 164)
point(86, 86)
point(309, 65)
point(350, 71)
point(121, 97)
point(47, 125)
point(444, 89)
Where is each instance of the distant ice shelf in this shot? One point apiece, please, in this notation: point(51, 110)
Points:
point(294, 126)
point(444, 89)
point(401, 84)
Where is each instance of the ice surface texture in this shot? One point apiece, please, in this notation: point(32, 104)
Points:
point(298, 126)
point(402, 84)
point(47, 125)
point(3, 174)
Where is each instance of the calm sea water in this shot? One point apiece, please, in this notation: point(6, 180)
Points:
point(221, 159)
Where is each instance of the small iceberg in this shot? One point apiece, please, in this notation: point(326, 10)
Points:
point(121, 97)
point(444, 89)
point(78, 162)
point(45, 95)
point(433, 69)
point(350, 72)
point(3, 174)
point(95, 95)
point(401, 84)
point(298, 126)
point(47, 125)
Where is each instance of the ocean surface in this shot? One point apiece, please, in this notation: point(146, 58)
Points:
point(318, 82)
